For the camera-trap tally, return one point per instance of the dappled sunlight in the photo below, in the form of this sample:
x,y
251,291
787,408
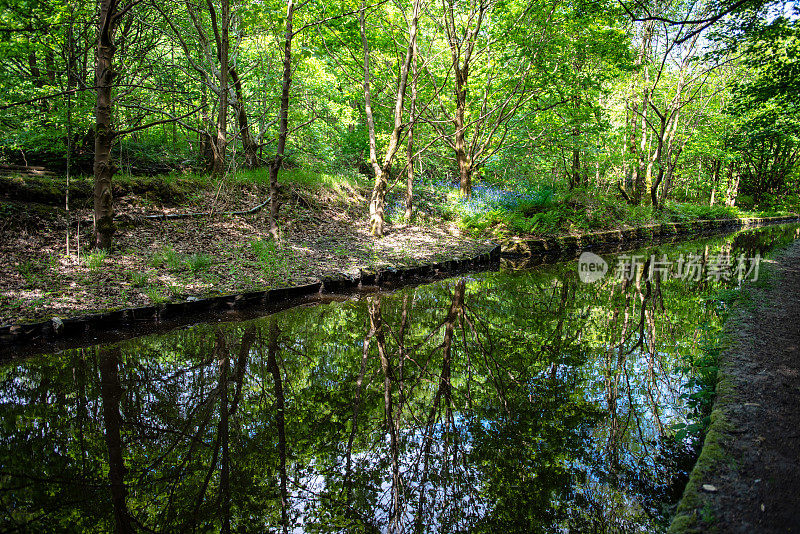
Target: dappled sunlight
x,y
155,261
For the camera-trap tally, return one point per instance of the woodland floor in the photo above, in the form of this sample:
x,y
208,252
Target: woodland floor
x,y
754,485
323,232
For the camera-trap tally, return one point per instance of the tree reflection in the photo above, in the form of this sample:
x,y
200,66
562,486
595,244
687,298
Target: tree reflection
x,y
518,401
111,393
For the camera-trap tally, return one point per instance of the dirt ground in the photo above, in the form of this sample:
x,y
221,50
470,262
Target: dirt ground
x,y
755,484
157,261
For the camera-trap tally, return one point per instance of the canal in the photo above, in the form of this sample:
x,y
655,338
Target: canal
x,y
517,400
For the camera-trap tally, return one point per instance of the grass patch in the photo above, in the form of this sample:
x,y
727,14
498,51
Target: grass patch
x,y
30,271
198,262
678,212
167,258
139,279
155,295
176,262
316,180
300,177
95,260
39,272
539,210
526,209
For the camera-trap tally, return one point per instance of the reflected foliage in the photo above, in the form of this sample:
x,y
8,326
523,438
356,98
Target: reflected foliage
x,y
517,401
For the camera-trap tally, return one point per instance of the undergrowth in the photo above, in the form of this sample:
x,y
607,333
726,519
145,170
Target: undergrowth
x,y
516,208
528,209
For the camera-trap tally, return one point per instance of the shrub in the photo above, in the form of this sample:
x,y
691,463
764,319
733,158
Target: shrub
x,y
684,211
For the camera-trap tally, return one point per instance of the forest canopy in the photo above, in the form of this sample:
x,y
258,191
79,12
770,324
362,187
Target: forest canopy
x,y
645,102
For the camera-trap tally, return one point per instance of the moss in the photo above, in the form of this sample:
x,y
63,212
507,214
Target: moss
x,y
690,516
695,510
45,189
105,226
567,242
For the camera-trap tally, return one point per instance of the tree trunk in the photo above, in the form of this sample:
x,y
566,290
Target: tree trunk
x,y
575,178
376,326
356,411
715,182
377,202
464,163
248,143
576,168
462,45
223,433
34,68
104,133
221,145
280,419
49,60
462,158
283,132
460,142
443,390
639,119
667,187
111,394
204,140
733,185
657,158
410,144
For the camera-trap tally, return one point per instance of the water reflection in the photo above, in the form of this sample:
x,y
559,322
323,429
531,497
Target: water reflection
x,y
522,401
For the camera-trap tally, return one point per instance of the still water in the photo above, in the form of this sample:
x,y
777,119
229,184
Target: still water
x,y
509,401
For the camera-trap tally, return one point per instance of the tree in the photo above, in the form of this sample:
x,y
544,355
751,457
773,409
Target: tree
x,y
671,79
111,393
104,169
377,203
499,70
283,118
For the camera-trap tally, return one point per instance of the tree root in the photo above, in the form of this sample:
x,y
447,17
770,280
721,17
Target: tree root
x,y
174,216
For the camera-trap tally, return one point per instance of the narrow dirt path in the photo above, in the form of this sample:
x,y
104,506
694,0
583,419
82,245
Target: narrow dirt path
x,y
752,483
